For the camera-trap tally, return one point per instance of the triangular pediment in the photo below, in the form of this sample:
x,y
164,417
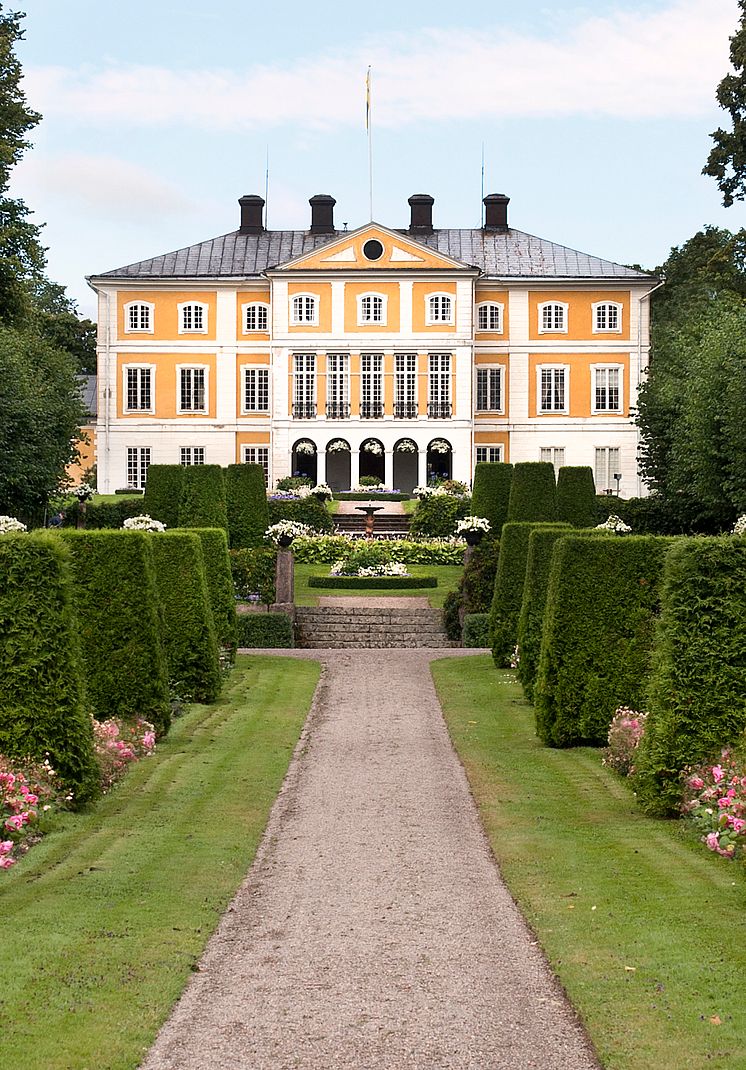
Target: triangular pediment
x,y
357,250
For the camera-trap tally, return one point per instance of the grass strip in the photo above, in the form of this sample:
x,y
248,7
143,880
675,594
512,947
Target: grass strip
x,y
645,929
447,577
106,918
372,583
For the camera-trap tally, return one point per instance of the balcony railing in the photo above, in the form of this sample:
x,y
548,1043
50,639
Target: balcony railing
x,y
439,410
337,410
405,410
371,410
304,410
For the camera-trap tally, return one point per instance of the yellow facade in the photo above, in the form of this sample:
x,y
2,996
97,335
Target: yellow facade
x,y
166,313
420,293
251,297
498,297
579,313
346,254
322,291
387,290
165,387
580,383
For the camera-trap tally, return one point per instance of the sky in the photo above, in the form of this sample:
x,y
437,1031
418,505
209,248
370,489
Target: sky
x,y
157,116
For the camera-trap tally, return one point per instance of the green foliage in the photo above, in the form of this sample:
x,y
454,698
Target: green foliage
x,y
533,495
452,616
293,482
248,515
57,322
476,632
42,696
697,697
117,605
265,630
727,160
477,584
305,511
364,553
188,625
253,572
369,481
364,583
99,515
508,594
219,584
576,497
163,491
436,516
326,549
491,493
203,497
597,639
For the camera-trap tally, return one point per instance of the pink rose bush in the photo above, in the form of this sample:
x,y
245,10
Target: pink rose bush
x,y
117,744
715,801
625,733
28,792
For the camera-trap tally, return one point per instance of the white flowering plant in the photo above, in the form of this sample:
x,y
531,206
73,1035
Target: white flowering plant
x,y
372,488
305,447
84,492
285,531
616,524
739,528
10,526
473,523
323,492
338,445
407,445
143,523
439,445
371,446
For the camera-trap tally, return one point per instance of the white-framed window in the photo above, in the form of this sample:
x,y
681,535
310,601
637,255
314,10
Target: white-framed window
x,y
192,386
139,387
304,386
255,390
607,392
490,317
552,389
372,308
190,455
192,317
405,386
304,308
255,317
489,454
138,462
337,386
258,455
489,393
607,317
371,386
439,308
607,464
554,455
138,317
439,386
553,317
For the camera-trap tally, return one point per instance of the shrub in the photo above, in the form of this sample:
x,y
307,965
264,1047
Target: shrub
x,y
598,631
246,499
29,793
576,497
253,573
202,502
437,515
188,626
219,584
163,491
265,630
118,744
507,599
42,710
118,611
476,630
452,616
533,495
491,493
477,583
294,482
303,511
326,549
715,802
697,698
101,515
625,732
380,583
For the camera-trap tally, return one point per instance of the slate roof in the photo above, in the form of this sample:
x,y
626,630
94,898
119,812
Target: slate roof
x,y
88,392
512,254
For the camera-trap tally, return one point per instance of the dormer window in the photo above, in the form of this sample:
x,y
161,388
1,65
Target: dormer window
x,y
305,309
138,316
192,318
553,318
607,316
439,308
490,317
255,318
371,308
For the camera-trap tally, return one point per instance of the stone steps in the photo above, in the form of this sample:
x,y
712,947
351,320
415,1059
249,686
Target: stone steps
x,y
357,627
385,523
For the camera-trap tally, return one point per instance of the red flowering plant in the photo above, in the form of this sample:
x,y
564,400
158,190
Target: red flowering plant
x,y
715,801
117,744
28,792
625,733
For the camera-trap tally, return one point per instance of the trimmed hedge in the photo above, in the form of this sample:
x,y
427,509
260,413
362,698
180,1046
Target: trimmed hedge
x,y
246,499
508,594
117,604
306,511
188,625
533,493
380,583
476,632
452,616
100,515
219,584
253,572
163,490
42,697
436,516
202,502
598,634
491,494
697,697
576,496
477,584
265,630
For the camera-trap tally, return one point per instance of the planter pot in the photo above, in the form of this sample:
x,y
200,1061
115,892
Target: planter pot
x,y
473,538
284,541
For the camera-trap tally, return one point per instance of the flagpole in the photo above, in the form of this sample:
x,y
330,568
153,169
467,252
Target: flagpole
x,y
369,126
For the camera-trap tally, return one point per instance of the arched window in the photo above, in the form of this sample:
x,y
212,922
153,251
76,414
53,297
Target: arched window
x,y
255,317
553,317
371,308
305,309
439,308
192,318
607,316
138,316
490,317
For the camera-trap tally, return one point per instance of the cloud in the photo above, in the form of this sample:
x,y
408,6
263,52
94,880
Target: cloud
x,y
626,65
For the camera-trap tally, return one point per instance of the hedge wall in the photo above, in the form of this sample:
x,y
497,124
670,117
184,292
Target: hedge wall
x,y
219,584
491,494
189,628
163,491
99,515
253,572
117,606
598,634
533,494
42,698
373,583
697,696
576,497
202,502
436,517
246,499
265,630
476,631
508,594
305,511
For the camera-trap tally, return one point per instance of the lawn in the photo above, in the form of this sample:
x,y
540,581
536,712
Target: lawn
x,y
104,921
645,929
448,577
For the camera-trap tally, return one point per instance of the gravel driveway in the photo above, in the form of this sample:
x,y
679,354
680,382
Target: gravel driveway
x,y
373,930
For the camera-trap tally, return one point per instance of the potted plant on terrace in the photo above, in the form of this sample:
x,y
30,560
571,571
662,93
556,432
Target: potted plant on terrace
x,y
473,529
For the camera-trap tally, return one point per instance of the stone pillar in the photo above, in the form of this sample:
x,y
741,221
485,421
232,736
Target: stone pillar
x,y
354,468
422,468
321,466
284,582
388,469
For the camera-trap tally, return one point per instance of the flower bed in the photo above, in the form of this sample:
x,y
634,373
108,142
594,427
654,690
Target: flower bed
x,y
372,583
28,793
326,549
370,494
715,802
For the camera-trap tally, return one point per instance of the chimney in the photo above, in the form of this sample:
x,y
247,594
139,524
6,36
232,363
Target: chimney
x,y
496,211
422,213
252,214
322,214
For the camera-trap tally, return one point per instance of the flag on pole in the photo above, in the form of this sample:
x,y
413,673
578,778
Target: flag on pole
x,y
367,100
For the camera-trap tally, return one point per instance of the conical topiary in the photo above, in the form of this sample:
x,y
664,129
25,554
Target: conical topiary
x,y
576,496
491,493
533,495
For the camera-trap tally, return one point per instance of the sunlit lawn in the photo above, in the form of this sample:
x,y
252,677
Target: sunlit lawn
x,y
447,576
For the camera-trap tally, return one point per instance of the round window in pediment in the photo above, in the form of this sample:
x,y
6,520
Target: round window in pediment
x,y
373,250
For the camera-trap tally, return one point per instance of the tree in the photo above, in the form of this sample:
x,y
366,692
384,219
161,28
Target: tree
x,y
727,160
57,321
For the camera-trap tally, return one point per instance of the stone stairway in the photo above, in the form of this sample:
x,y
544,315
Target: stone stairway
x,y
355,627
385,524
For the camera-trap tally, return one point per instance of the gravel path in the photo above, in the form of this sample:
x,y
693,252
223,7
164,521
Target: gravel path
x,y
373,930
